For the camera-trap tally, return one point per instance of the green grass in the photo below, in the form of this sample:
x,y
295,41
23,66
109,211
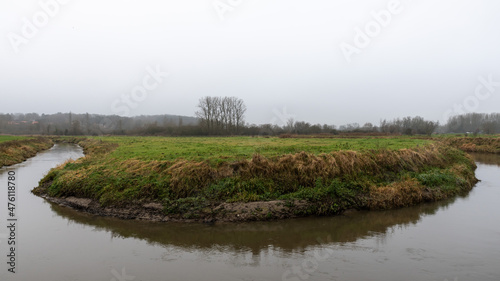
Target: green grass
x,y
10,138
437,178
217,149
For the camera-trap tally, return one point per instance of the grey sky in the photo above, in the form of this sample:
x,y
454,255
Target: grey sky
x,y
282,57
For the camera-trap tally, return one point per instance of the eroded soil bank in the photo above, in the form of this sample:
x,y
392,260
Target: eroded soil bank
x,y
224,212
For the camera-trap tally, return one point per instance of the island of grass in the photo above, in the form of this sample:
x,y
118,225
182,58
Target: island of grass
x,y
254,178
16,149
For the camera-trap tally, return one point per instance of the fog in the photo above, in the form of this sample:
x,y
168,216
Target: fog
x,y
322,61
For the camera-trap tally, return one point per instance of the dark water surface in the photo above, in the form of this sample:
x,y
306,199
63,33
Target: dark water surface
x,y
458,239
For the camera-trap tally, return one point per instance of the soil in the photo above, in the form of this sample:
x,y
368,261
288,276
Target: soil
x,y
223,212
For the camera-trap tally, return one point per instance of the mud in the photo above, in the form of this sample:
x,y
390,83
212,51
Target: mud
x,y
224,212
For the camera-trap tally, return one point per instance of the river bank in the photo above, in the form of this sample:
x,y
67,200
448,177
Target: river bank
x,y
475,144
16,151
259,188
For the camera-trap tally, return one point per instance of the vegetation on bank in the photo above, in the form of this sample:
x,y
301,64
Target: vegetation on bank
x,y
194,178
475,144
15,150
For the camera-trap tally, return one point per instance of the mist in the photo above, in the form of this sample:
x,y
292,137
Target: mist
x,y
328,62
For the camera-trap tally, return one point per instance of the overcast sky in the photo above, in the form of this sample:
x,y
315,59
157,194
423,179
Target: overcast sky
x,y
321,61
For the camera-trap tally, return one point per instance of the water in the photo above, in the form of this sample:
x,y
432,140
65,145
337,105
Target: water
x,y
457,239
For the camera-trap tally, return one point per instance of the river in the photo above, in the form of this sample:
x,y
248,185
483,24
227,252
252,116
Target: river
x,y
454,240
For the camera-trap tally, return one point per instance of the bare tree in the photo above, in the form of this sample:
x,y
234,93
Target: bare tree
x,y
239,113
289,125
488,127
206,113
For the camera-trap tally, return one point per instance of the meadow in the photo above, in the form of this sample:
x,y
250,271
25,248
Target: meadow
x,y
224,149
4,138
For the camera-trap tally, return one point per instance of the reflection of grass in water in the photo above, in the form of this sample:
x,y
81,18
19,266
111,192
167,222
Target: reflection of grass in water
x,y
287,236
487,158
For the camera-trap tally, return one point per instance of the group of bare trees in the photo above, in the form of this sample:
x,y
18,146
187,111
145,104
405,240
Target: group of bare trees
x,y
474,123
221,115
409,126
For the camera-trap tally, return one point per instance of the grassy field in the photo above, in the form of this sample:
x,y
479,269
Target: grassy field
x,y
10,138
223,149
192,177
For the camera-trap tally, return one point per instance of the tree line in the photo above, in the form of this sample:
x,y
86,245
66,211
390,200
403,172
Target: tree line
x,y
91,124
474,123
226,116
409,126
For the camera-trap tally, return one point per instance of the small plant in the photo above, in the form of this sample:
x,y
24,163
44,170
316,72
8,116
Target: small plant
x,y
436,178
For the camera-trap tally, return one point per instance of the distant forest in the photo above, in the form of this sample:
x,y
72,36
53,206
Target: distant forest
x,y
225,116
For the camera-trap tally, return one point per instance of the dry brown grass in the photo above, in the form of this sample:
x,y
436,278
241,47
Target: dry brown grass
x,y
473,144
301,169
398,194
16,151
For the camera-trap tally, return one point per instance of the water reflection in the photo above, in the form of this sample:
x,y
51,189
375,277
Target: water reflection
x,y
485,158
294,235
